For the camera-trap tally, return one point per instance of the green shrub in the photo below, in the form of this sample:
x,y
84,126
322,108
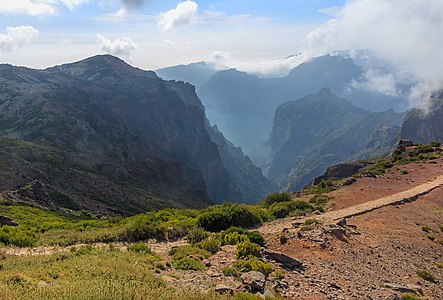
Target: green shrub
x,y
439,265
427,229
220,217
84,250
431,237
311,222
435,144
325,186
140,248
247,249
426,275
187,263
253,264
230,271
256,238
196,235
276,198
409,297
211,245
234,238
253,236
320,200
186,251
404,172
284,209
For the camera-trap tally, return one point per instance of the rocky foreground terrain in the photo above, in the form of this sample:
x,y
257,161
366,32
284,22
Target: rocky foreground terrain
x,y
378,253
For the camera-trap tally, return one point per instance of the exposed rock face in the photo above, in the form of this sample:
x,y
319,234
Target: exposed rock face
x,y
105,136
320,130
242,105
423,126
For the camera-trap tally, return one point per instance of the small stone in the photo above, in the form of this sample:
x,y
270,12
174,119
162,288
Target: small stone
x,y
223,289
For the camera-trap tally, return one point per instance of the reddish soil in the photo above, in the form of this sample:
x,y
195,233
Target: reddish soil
x,y
389,245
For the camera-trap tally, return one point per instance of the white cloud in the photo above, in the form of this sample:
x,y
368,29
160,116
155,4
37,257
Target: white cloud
x,y
35,8
123,47
277,67
27,7
376,81
185,13
407,34
16,37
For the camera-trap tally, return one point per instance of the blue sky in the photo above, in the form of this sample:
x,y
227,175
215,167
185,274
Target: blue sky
x,y
155,33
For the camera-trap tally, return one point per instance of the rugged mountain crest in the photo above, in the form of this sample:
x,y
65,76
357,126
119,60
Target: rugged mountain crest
x,y
99,125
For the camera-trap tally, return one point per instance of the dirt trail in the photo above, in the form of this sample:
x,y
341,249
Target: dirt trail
x,y
268,228
399,198
329,217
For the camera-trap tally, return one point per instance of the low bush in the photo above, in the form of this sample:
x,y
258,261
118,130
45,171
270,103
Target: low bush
x,y
427,229
233,238
140,248
248,249
275,198
409,296
187,263
211,244
196,235
188,251
253,264
284,209
426,275
320,200
252,236
231,271
220,217
325,186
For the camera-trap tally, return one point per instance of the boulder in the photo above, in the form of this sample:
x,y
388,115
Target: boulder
x,y
254,281
285,260
7,221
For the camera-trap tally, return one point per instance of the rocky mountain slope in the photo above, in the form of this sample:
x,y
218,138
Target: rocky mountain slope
x,y
320,130
424,126
242,105
101,135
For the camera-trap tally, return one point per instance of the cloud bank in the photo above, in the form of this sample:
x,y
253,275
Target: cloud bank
x,y
123,47
36,8
16,37
407,34
185,13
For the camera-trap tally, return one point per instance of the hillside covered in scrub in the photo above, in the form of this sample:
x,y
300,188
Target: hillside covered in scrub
x,y
287,246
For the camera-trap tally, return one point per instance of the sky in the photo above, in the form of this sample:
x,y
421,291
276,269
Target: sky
x,y
257,36
158,33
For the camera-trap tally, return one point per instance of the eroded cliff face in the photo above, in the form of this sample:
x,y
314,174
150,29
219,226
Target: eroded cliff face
x,y
320,130
424,126
107,126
